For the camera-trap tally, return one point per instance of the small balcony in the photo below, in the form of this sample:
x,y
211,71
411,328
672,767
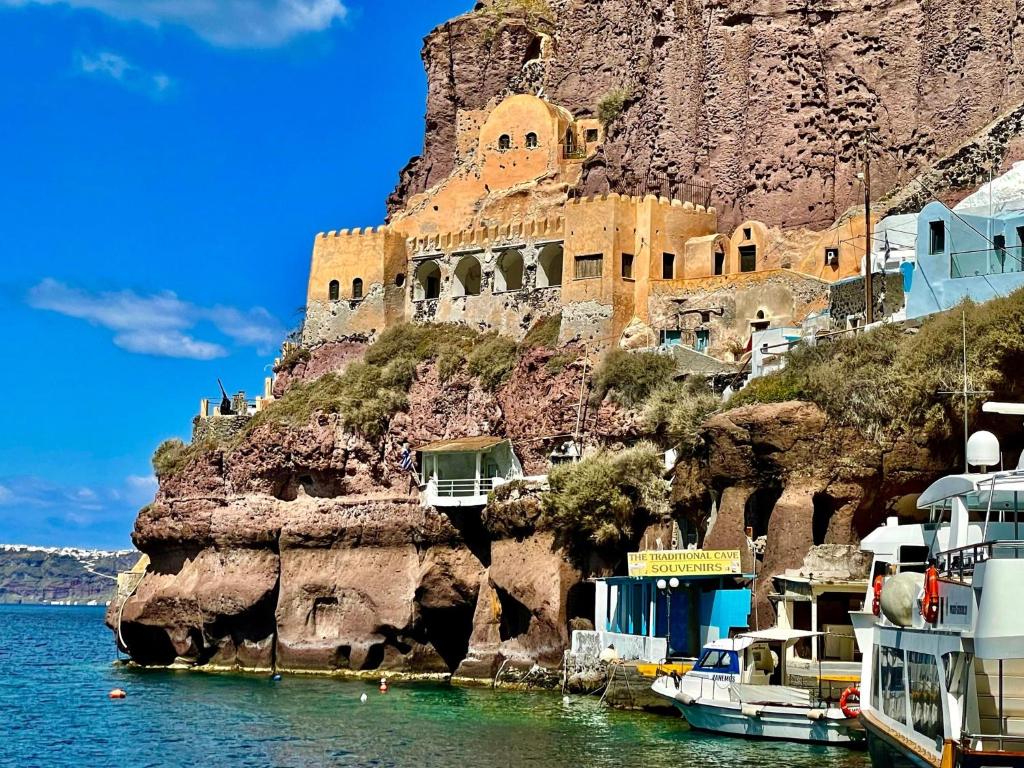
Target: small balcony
x,y
470,492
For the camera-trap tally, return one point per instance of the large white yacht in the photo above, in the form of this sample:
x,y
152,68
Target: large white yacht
x,y
942,633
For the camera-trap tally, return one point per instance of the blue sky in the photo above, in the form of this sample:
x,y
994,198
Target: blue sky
x,y
164,167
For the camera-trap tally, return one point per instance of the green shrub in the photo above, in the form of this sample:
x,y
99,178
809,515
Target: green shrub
x,y
173,455
493,359
611,105
600,499
630,377
293,355
887,380
544,333
559,361
678,410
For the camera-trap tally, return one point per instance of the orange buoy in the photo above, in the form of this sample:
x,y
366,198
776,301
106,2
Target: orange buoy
x,y
849,702
876,603
930,600
383,685
117,693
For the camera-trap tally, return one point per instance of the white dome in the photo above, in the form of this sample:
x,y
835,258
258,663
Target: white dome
x,y
983,450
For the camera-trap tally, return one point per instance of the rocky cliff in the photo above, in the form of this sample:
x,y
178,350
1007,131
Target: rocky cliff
x,y
768,100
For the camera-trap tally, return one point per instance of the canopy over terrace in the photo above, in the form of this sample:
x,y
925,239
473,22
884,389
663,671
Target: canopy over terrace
x,y
707,599
460,472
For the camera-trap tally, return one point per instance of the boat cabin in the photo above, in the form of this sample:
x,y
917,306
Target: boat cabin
x,y
461,472
753,658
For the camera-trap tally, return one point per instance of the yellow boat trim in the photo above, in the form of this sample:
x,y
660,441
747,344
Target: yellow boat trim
x,y
900,738
654,670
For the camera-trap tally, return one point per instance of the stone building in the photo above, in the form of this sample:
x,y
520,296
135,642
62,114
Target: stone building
x,y
502,243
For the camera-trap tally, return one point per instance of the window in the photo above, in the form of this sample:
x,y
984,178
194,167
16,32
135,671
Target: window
x,y
747,233
925,695
891,686
700,342
357,288
999,245
509,273
719,661
591,135
504,142
668,266
748,258
467,277
936,237
719,262
627,266
334,290
589,265
428,281
831,257
400,279
531,140
671,338
550,263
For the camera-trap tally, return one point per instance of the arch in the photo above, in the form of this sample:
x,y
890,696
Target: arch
x,y
428,281
467,277
504,142
357,288
333,290
550,262
531,140
508,275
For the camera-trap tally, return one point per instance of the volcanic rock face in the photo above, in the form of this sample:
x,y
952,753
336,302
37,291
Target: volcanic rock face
x,y
307,549
796,478
769,100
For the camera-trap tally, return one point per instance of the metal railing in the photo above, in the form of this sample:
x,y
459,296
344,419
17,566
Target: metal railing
x,y
982,741
465,487
960,563
573,152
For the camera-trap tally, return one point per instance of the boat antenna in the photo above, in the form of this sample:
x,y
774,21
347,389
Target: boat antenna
x,y
965,389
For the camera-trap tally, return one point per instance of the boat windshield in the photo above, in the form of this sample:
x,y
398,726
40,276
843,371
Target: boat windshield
x,y
714,660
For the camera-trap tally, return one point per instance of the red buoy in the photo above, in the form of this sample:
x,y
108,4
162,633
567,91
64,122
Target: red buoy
x,y
118,693
383,685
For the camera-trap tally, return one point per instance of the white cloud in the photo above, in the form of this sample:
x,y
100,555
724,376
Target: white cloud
x,y
228,23
117,68
6,495
156,324
169,344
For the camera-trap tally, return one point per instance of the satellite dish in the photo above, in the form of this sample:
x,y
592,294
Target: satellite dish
x,y
983,450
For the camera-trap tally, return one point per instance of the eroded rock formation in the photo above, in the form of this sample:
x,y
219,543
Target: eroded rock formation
x,y
769,101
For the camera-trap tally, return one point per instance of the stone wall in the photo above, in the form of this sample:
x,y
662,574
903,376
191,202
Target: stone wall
x,y
846,298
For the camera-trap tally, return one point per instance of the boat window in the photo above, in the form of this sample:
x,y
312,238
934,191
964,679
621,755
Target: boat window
x,y
892,683
925,695
914,557
718,661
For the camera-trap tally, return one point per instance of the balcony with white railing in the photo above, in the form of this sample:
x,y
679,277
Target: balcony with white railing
x,y
467,492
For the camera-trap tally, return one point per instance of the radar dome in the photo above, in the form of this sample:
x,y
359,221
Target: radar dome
x,y
983,450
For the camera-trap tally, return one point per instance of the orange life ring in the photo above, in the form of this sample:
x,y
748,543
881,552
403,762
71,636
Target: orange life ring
x,y
876,603
930,600
850,708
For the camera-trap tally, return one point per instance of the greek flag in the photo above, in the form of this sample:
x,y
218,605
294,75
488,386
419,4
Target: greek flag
x,y
406,460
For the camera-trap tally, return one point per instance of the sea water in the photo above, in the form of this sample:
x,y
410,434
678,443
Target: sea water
x,y
58,667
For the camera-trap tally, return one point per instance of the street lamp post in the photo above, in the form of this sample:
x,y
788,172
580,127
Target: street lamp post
x,y
665,586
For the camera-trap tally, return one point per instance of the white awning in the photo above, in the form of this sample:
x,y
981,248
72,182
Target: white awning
x,y
729,644
964,485
778,634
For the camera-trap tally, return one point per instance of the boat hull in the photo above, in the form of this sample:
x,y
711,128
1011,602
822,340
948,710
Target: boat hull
x,y
770,723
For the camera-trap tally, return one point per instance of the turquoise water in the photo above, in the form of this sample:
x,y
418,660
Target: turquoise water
x,y
55,712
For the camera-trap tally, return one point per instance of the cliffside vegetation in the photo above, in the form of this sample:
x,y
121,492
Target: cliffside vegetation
x,y
888,380
601,499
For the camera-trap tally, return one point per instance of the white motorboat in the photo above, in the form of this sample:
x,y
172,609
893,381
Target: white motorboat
x,y
738,687
943,642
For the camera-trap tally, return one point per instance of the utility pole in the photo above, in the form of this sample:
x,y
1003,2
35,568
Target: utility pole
x,y
869,289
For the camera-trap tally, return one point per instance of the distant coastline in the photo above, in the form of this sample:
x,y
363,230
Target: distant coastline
x,y
60,576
